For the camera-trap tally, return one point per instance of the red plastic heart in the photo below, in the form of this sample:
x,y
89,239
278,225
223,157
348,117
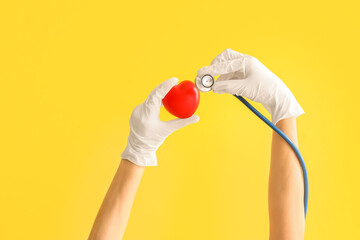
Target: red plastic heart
x,y
182,100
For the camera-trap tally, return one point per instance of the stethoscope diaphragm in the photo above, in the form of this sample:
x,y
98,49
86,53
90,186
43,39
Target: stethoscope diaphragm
x,y
204,83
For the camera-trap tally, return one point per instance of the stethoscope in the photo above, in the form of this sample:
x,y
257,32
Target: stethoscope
x,y
205,84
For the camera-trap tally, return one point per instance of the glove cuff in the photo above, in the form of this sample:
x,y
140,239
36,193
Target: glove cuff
x,y
288,108
139,158
138,152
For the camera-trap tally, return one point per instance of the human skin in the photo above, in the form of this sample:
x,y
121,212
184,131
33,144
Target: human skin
x,y
286,187
112,218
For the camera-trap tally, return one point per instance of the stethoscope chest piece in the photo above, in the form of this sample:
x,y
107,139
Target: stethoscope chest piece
x,y
205,83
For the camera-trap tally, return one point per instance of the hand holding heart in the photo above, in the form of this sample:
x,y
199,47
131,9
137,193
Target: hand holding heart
x,y
147,131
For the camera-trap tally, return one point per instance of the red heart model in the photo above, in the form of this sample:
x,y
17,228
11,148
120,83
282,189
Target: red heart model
x,y
182,100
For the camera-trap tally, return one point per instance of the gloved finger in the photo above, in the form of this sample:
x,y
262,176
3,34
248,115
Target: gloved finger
x,y
154,99
227,55
182,122
230,86
225,67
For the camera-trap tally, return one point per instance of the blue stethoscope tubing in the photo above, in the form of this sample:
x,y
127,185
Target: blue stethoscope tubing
x,y
292,145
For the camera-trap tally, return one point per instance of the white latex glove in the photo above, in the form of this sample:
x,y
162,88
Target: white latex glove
x,y
147,131
246,76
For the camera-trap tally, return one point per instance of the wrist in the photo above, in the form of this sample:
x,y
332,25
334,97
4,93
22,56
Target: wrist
x,y
129,166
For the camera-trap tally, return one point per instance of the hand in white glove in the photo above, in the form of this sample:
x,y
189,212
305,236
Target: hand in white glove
x,y
147,131
246,76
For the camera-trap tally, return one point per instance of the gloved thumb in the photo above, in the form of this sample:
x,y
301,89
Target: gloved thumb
x,y
233,86
182,122
155,97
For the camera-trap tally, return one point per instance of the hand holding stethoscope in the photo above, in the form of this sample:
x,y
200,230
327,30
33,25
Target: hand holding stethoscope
x,y
246,76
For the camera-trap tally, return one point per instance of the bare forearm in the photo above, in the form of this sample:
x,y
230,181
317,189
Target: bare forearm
x,y
286,206
113,215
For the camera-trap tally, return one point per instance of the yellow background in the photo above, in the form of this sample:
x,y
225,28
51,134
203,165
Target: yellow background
x,y
72,71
